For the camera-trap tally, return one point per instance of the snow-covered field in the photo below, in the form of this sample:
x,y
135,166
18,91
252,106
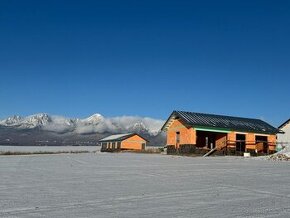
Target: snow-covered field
x,y
48,148
142,185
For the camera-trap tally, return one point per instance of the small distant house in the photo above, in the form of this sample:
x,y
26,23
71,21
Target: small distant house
x,y
199,133
284,139
129,141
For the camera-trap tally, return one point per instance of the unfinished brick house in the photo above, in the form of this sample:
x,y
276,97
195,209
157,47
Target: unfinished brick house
x,y
129,141
204,134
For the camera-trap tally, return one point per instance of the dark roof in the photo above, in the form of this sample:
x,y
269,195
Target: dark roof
x,y
119,137
221,121
284,124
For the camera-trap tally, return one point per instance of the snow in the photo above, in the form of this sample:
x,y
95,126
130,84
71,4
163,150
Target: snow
x,y
114,137
283,155
95,118
142,185
4,148
93,124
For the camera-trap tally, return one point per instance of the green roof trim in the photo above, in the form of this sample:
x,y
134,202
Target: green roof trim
x,y
209,129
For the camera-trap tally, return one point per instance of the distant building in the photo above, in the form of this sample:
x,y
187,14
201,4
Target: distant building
x,y
284,139
189,132
129,141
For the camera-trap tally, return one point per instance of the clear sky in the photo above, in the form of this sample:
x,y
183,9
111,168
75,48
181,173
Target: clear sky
x,y
147,58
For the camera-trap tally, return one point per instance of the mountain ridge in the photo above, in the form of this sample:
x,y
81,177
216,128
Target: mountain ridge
x,y
45,129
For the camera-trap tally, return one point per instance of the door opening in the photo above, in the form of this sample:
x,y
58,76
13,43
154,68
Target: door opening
x,y
262,144
240,142
177,142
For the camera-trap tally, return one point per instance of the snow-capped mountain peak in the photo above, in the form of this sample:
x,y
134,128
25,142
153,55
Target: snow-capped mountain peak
x,y
139,126
14,120
38,119
96,123
95,118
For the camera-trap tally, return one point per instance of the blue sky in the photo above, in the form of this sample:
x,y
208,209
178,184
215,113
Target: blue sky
x,y
146,58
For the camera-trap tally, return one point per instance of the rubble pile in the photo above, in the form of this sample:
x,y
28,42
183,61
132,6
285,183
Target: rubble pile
x,y
279,157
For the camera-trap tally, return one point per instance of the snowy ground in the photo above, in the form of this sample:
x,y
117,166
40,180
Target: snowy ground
x,y
142,185
48,148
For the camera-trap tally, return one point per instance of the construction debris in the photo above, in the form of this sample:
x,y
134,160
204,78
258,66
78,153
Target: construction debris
x,y
279,157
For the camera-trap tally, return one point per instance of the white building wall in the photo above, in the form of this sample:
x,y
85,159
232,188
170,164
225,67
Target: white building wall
x,y
284,139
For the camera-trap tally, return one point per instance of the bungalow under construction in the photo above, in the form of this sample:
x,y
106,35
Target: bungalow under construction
x,y
199,133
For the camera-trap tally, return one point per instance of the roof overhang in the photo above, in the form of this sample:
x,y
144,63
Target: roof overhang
x,y
123,138
284,124
169,121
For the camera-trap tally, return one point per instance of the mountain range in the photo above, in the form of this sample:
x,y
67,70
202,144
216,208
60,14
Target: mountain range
x,y
44,129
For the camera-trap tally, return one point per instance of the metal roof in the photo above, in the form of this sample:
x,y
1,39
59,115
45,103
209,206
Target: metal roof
x,y
119,137
221,121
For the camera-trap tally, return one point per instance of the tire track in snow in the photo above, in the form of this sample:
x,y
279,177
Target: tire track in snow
x,y
114,201
268,193
100,203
